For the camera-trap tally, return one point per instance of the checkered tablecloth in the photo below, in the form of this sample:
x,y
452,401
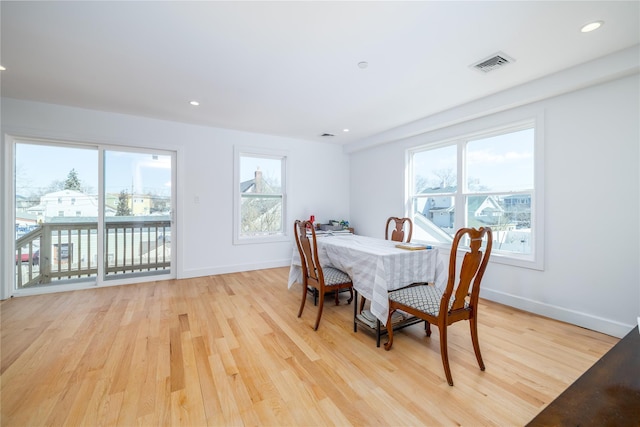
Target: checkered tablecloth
x,y
375,266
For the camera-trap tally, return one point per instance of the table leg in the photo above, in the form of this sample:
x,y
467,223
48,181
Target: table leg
x,y
355,311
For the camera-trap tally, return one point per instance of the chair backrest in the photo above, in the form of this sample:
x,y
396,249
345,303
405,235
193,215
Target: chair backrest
x,y
308,250
401,229
471,270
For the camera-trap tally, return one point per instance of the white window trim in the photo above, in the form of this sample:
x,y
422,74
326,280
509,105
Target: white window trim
x,y
535,260
239,151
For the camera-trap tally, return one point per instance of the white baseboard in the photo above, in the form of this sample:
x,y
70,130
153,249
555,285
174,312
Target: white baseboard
x,y
236,268
585,320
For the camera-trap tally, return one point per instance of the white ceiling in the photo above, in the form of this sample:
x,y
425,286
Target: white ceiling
x,y
290,68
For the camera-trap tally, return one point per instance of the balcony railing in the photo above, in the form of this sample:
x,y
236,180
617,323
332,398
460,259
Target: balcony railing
x,y
58,252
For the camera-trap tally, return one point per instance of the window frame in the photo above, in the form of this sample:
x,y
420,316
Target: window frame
x,y
533,260
283,156
7,289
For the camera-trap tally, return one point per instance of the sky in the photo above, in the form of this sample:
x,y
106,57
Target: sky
x,y
270,167
38,166
498,163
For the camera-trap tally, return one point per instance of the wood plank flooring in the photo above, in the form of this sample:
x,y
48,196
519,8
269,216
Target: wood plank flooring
x,y
228,350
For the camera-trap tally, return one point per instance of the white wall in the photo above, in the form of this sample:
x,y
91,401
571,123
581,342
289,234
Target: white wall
x,y
318,173
592,136
591,276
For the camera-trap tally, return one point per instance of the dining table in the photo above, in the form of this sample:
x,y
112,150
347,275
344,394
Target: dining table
x,y
376,266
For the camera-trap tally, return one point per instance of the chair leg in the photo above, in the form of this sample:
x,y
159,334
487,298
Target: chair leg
x,y
355,313
444,352
473,324
427,328
315,328
350,295
304,298
389,343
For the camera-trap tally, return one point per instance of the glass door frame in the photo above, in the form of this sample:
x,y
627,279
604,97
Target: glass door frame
x,y
8,217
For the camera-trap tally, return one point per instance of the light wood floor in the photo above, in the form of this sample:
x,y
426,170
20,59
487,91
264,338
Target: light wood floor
x,y
229,350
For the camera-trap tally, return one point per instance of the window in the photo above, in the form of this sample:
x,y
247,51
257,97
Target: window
x,y
484,179
260,195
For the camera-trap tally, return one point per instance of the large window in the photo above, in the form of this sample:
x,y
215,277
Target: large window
x,y
485,179
260,195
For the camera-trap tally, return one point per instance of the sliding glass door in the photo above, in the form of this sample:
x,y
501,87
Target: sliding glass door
x,y
137,225
56,214
87,214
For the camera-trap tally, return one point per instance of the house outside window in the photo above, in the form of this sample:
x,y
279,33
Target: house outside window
x,y
260,196
485,179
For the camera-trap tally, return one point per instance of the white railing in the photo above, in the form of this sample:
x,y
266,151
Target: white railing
x,y
55,252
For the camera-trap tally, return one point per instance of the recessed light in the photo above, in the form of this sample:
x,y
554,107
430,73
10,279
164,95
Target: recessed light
x,y
363,64
591,26
194,103
345,130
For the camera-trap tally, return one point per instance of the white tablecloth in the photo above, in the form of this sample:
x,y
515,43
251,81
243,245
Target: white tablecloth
x,y
375,266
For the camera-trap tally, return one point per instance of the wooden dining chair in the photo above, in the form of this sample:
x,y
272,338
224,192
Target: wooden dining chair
x,y
401,229
324,279
458,301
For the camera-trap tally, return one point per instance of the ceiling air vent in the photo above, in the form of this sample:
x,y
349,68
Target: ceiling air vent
x,y
327,134
498,60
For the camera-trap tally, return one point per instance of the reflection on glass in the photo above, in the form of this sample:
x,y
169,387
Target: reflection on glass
x,y
137,184
137,213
